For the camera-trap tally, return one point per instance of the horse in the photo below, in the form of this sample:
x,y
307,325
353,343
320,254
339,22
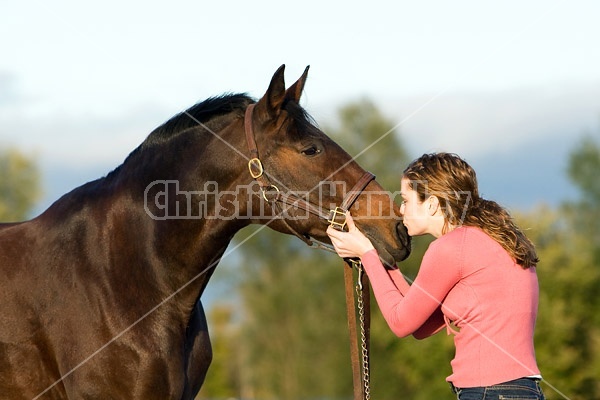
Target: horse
x,y
101,293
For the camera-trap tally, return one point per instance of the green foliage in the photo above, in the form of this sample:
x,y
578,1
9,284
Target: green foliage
x,y
19,185
567,329
583,169
293,329
224,380
568,326
584,165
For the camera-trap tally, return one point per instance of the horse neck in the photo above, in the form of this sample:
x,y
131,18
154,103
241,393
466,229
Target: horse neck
x,y
108,219
187,248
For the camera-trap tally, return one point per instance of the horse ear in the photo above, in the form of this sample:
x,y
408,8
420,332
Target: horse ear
x,y
275,95
295,91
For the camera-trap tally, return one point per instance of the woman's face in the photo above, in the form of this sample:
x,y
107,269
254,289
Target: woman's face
x,y
415,213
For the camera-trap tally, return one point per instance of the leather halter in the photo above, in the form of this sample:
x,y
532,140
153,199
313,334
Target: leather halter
x,y
335,217
360,382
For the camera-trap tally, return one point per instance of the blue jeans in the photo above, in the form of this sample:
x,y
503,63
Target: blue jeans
x,y
519,389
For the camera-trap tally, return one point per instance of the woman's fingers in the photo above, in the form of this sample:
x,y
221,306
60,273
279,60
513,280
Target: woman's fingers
x,y
349,244
350,222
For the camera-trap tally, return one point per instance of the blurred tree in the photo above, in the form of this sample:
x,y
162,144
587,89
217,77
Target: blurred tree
x,y
224,382
583,169
567,332
372,140
584,165
568,325
293,328
19,185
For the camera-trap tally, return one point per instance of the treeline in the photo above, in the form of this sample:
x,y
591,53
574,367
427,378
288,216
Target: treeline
x,y
280,332
19,185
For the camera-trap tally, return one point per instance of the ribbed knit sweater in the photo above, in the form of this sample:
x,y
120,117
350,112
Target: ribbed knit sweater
x,y
468,283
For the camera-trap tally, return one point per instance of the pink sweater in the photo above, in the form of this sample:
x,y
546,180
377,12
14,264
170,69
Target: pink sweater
x,y
491,301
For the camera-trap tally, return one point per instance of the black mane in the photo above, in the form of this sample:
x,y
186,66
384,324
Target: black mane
x,y
201,112
208,113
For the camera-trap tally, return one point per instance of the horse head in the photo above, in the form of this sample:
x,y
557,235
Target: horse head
x,y
308,181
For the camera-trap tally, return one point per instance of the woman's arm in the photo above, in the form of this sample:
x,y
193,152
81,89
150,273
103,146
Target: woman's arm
x,y
434,323
412,309
407,309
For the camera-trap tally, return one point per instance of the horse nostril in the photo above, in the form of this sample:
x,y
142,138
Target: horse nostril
x,y
401,230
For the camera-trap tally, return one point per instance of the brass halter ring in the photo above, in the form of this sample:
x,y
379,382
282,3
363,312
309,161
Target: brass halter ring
x,y
267,189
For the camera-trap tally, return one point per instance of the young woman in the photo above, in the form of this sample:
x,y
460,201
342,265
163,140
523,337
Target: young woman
x,y
477,279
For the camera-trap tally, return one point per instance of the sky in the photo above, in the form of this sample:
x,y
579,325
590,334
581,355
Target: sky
x,y
509,85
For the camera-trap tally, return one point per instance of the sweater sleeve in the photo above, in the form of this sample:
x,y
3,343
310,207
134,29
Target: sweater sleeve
x,y
414,309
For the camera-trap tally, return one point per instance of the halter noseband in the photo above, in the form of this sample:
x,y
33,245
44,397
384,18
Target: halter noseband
x,y
332,216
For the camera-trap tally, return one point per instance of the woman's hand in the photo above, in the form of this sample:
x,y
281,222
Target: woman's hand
x,y
351,244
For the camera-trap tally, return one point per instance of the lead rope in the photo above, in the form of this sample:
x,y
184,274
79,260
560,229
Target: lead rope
x,y
361,391
362,291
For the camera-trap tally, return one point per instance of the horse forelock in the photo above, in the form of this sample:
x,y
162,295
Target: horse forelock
x,y
303,121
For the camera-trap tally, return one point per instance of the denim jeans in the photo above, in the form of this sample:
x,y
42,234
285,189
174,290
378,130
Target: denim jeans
x,y
519,389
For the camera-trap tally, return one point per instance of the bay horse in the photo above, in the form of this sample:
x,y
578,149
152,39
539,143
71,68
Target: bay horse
x,y
100,293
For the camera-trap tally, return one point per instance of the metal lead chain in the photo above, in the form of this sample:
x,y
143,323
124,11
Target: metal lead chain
x,y
363,334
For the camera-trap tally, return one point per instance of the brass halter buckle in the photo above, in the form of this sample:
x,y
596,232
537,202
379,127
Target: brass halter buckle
x,y
255,167
333,214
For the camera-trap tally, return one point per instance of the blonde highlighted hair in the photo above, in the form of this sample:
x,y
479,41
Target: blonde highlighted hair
x,y
452,180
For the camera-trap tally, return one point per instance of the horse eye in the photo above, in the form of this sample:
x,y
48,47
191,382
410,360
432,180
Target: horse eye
x,y
311,151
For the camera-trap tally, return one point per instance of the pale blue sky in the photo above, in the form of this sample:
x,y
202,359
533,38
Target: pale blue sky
x,y
83,83
79,55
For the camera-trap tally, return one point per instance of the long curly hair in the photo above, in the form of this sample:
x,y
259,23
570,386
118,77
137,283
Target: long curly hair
x,y
454,182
